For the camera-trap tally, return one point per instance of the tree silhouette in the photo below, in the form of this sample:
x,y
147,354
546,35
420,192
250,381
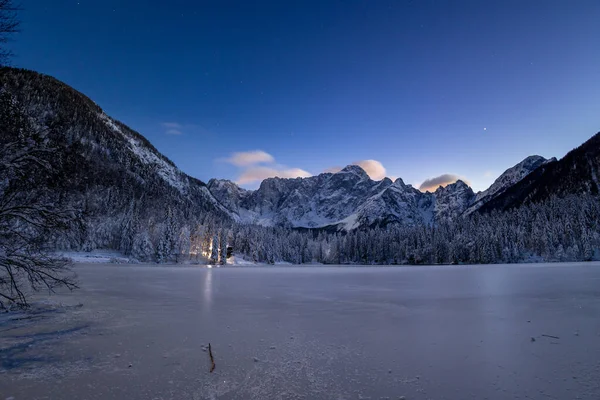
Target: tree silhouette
x,y
29,215
9,24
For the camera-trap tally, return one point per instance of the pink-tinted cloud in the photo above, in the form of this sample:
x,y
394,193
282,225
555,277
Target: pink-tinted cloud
x,y
249,158
373,168
443,180
257,174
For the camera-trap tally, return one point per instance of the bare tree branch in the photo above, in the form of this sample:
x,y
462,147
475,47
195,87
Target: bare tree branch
x,y
30,213
9,24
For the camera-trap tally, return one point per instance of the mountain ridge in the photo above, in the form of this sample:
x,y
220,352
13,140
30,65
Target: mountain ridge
x,y
357,199
576,173
117,159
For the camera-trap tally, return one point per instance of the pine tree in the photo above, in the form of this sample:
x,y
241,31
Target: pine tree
x,y
214,254
223,247
170,233
128,229
142,248
587,252
183,244
163,248
560,253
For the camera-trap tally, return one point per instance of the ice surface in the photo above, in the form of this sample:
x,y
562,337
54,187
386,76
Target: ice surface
x,y
312,333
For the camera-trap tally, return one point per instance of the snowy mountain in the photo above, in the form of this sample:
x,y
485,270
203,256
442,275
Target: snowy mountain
x,y
509,178
345,200
349,199
323,200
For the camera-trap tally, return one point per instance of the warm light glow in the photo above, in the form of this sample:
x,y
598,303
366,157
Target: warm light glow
x,y
209,252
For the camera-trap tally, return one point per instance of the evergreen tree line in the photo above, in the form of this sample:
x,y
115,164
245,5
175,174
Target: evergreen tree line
x,y
559,229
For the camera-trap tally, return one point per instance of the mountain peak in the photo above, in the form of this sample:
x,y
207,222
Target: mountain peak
x,y
399,182
355,169
459,185
509,178
224,183
531,162
464,186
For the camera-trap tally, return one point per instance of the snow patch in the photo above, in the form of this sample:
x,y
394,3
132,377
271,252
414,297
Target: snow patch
x,y
96,256
239,260
166,171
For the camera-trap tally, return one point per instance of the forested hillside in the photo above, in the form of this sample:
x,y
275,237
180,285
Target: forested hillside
x,y
124,190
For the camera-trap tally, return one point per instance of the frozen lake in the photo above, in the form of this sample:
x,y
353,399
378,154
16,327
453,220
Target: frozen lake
x,y
312,333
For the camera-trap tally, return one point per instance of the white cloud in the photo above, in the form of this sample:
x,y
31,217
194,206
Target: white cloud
x,y
172,125
249,158
172,128
257,174
252,171
373,168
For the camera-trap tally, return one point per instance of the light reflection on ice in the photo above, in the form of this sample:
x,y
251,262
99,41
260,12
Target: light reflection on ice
x,y
207,292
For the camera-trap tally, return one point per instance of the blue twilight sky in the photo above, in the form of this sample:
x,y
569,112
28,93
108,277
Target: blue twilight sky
x,y
425,88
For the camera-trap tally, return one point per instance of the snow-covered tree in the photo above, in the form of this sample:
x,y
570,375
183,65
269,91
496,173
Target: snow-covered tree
x,y
183,244
214,254
163,246
223,247
128,229
142,248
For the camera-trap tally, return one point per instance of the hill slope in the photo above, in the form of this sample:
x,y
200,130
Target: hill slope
x,y
108,170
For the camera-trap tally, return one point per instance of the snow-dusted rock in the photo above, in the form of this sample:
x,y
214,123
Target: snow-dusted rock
x,y
509,178
451,201
345,200
349,199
